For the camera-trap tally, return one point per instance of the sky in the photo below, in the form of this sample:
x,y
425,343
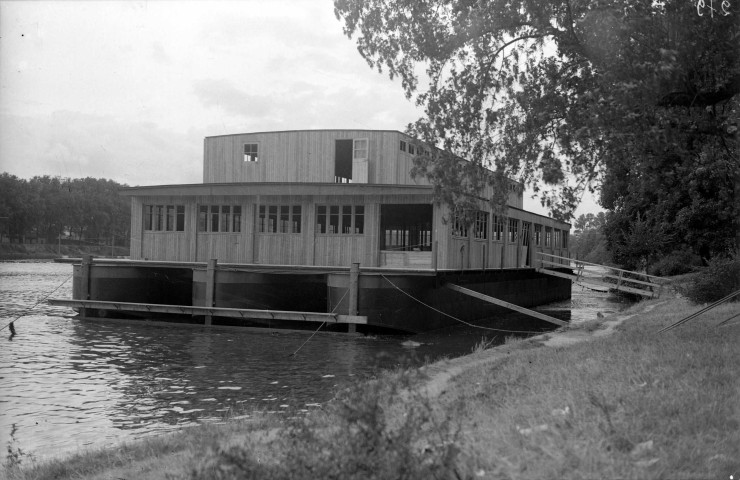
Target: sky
x,y
128,90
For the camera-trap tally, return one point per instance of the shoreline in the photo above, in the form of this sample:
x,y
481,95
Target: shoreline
x,y
473,383
49,251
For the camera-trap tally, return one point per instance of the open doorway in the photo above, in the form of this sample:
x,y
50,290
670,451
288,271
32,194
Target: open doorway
x,y
406,227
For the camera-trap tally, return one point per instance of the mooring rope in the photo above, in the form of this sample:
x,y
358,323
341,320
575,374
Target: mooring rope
x,y
25,312
724,322
696,314
451,316
322,324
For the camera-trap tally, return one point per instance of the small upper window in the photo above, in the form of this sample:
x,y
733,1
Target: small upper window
x,y
359,151
251,152
402,146
412,149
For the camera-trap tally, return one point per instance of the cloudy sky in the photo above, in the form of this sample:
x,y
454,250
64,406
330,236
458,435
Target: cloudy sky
x,y
127,90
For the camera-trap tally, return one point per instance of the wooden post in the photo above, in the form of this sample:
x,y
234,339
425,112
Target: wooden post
x,y
210,287
354,291
435,252
85,268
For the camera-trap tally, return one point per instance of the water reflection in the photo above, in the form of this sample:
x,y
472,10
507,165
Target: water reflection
x,y
66,383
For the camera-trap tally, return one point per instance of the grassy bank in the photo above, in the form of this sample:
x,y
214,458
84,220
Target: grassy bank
x,y
48,251
610,399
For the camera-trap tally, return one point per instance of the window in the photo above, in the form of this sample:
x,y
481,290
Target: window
x,y
236,219
459,225
526,228
513,230
251,152
548,236
498,228
565,239
359,150
340,219
557,238
402,146
480,226
538,235
412,149
279,219
164,218
220,218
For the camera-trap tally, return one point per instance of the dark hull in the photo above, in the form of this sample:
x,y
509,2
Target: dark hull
x,y
392,300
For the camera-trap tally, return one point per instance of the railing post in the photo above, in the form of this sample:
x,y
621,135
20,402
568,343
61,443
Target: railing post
x,y
85,268
434,255
354,291
210,287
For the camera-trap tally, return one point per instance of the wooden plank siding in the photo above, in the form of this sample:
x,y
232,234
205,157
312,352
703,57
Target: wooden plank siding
x,y
297,168
311,248
461,253
304,156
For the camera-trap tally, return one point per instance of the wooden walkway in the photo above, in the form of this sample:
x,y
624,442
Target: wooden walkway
x,y
602,277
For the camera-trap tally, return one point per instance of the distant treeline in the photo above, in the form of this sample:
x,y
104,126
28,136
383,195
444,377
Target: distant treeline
x,y
52,209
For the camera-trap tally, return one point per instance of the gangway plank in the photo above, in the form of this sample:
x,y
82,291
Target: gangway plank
x,y
579,279
505,304
653,284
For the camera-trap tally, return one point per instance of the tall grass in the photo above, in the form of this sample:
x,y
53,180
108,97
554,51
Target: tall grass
x,y
632,405
378,430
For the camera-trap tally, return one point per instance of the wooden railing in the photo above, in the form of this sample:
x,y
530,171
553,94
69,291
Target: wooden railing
x,y
602,276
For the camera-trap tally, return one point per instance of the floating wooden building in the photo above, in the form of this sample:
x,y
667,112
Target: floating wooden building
x,y
328,224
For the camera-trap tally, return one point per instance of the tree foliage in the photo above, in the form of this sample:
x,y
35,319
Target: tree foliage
x,y
588,242
48,208
563,94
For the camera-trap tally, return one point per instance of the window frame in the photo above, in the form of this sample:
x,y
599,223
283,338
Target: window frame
x,y
331,219
356,149
251,157
272,219
538,234
459,228
219,218
497,234
480,225
167,218
513,233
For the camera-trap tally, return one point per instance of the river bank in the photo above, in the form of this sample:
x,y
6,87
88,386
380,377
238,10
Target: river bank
x,y
611,398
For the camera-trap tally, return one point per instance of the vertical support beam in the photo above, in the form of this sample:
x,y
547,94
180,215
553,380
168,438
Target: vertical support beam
x,y
354,292
85,268
518,243
354,288
469,249
210,287
435,252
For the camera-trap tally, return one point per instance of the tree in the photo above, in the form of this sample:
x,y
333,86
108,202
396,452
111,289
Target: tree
x,y
563,94
47,207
